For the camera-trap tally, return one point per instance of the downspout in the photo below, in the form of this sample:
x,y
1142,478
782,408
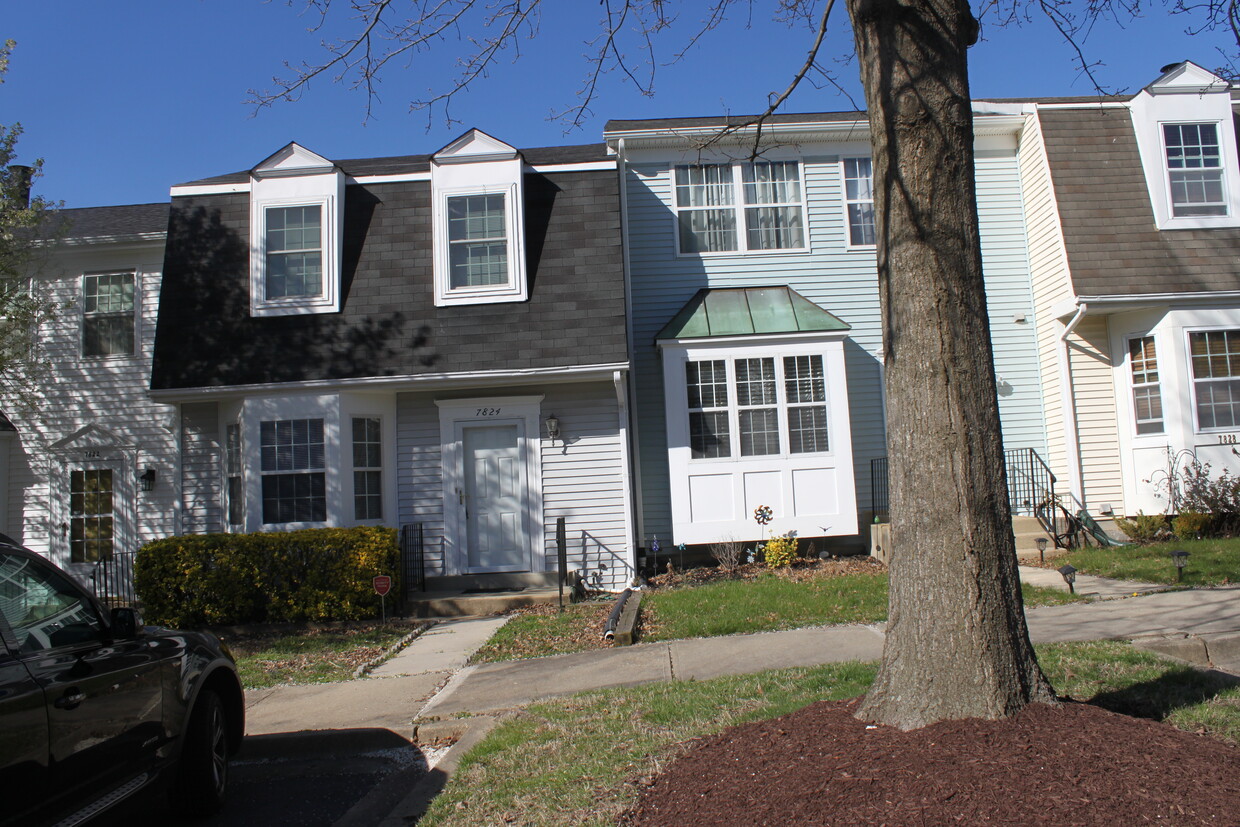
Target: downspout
x,y
633,491
1072,444
622,406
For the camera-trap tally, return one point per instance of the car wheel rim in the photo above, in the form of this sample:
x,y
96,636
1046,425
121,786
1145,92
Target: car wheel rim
x,y
219,750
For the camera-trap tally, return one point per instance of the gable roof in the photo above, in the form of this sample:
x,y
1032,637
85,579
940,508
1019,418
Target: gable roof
x,y
749,311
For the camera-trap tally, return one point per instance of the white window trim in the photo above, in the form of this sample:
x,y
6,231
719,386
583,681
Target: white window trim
x,y
328,301
738,206
137,315
848,243
729,356
516,288
253,413
1191,378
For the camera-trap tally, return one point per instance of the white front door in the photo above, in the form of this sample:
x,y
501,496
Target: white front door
x,y
495,497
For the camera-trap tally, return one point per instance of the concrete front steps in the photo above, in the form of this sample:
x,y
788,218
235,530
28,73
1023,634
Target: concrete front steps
x,y
470,595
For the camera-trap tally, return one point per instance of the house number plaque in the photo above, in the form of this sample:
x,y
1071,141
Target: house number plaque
x,y
488,412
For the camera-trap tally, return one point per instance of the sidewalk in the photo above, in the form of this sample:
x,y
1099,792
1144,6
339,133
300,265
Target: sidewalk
x,y
1087,585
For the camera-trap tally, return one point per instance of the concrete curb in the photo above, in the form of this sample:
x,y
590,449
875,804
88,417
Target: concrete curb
x,y
469,731
391,651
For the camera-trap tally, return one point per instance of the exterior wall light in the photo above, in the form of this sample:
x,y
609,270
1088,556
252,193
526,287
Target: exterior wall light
x,y
1069,577
553,427
1041,544
147,478
1180,558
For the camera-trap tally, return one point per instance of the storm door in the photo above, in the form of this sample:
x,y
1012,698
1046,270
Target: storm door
x,y
495,497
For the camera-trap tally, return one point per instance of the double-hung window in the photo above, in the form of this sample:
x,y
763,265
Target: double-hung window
x,y
367,469
1215,358
1146,396
108,314
859,201
1195,169
292,464
754,407
740,207
477,240
294,252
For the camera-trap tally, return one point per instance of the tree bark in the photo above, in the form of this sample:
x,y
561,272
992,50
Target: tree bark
x,y
957,644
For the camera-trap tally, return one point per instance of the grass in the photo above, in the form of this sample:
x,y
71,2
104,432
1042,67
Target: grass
x,y
1210,562
310,656
770,603
582,760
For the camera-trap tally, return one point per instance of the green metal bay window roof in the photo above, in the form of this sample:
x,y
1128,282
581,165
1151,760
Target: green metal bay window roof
x,y
749,311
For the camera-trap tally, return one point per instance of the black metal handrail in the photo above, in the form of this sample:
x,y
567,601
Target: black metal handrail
x,y
412,559
112,579
1030,482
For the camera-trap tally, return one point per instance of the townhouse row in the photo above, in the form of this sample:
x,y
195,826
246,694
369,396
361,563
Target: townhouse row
x,y
649,337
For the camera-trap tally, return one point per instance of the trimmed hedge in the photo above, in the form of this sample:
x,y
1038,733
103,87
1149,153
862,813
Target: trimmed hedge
x,y
224,579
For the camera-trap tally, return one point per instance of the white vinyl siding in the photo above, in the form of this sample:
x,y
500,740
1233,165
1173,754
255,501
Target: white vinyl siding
x,y
1096,414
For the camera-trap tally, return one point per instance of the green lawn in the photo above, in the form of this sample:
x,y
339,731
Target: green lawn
x,y
769,603
311,656
582,760
1210,562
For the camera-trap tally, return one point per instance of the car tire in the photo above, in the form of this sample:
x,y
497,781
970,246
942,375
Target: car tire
x,y
202,775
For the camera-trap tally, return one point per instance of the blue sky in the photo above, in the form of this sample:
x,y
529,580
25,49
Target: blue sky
x,y
125,98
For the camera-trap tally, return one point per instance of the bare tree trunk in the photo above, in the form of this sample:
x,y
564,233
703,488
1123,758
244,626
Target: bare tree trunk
x,y
957,644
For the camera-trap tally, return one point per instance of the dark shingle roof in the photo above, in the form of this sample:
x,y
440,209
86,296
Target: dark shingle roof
x,y
1112,243
404,164
623,125
124,220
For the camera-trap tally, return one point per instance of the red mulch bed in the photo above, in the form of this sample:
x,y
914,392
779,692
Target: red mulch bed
x,y
1075,764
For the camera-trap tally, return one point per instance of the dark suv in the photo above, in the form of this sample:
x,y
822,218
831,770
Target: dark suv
x,y
95,707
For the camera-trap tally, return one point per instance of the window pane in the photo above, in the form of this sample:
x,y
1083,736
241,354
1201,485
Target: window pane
x,y
759,432
807,429
709,185
478,264
1195,169
859,199
708,434
367,495
755,381
707,384
291,444
1146,395
1216,376
294,498
294,252
473,217
804,380
772,183
774,228
43,609
108,314
707,231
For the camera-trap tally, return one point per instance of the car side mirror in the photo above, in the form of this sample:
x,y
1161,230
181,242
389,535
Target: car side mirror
x,y
125,623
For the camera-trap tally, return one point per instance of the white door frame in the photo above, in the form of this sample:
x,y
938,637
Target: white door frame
x,y
455,414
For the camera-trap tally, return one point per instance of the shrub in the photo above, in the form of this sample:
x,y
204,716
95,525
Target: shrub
x,y
1190,525
1215,495
1144,528
780,551
314,574
727,553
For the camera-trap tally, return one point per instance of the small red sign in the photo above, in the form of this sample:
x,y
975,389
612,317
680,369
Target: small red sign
x,y
383,585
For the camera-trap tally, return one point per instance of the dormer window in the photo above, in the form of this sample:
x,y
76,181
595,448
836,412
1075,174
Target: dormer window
x,y
478,222
296,224
1195,169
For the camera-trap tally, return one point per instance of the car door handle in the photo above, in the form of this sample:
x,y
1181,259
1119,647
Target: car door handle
x,y
70,700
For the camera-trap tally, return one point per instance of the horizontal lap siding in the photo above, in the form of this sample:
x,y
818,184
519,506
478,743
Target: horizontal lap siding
x,y
1048,266
201,462
75,392
1009,295
840,280
583,482
419,483
1096,418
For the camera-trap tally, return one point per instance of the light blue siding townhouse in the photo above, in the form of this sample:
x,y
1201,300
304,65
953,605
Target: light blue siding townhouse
x,y
755,330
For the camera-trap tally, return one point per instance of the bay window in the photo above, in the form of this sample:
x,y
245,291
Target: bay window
x,y
1146,395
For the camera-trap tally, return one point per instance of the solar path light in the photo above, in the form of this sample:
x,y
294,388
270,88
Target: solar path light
x,y
1041,543
1069,577
1180,558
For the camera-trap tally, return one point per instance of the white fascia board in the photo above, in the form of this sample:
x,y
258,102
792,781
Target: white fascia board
x,y
395,384
1085,105
1121,303
756,339
208,189
127,240
585,166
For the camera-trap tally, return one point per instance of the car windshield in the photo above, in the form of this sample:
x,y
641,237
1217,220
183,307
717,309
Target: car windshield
x,y
43,608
